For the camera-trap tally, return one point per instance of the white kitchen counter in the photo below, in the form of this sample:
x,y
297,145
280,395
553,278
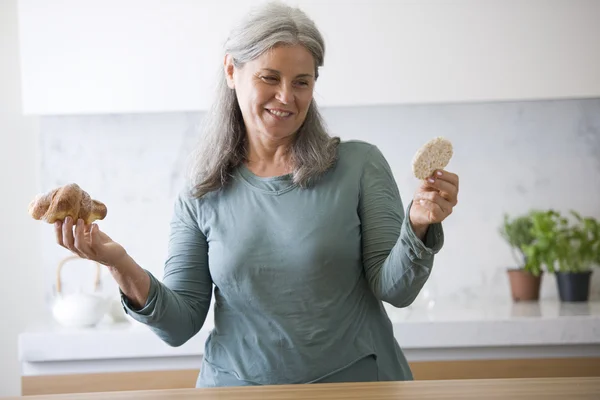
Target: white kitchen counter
x,y
473,329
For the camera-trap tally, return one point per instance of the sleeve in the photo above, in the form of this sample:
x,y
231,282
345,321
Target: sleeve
x,y
397,263
176,308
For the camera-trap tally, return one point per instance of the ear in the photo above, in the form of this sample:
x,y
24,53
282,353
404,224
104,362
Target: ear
x,y
229,70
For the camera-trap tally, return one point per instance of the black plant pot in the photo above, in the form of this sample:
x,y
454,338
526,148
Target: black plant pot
x,y
573,286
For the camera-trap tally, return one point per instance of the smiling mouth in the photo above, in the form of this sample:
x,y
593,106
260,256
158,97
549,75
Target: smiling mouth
x,y
280,114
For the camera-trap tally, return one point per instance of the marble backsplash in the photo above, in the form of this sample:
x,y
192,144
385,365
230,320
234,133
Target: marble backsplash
x,y
511,156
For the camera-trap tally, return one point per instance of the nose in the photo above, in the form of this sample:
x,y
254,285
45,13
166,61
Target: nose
x,y
285,93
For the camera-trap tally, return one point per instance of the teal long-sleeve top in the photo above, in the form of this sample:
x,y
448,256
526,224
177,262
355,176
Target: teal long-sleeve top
x,y
298,274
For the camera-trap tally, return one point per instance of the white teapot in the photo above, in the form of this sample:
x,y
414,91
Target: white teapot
x,y
79,309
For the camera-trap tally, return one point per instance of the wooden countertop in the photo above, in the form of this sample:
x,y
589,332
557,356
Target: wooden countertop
x,y
513,389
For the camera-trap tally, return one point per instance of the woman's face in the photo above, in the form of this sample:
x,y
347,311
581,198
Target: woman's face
x,y
274,91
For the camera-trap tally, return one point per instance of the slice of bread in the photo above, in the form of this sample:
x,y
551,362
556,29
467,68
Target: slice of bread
x,y
434,155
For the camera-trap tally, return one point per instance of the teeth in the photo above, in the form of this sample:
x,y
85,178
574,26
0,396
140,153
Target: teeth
x,y
279,113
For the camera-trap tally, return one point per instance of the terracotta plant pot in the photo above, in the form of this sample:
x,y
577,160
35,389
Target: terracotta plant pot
x,y
524,286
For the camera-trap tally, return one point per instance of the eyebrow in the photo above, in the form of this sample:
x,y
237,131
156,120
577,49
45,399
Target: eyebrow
x,y
274,71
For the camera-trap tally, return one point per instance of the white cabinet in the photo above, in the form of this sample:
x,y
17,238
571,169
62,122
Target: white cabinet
x,y
157,56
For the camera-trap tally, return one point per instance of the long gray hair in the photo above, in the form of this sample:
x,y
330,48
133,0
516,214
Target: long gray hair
x,y
222,145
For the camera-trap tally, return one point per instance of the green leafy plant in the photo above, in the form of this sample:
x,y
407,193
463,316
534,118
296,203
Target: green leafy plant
x,y
561,244
584,235
518,234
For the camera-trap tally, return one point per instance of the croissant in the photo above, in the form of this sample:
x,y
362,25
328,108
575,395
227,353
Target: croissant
x,y
69,200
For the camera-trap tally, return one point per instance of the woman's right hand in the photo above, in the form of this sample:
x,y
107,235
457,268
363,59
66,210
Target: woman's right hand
x,y
89,242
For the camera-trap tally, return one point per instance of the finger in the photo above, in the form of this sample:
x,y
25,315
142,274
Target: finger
x,y
67,235
447,189
58,231
436,198
93,235
81,244
446,176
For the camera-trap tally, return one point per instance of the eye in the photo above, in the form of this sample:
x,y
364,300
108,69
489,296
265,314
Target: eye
x,y
269,79
302,83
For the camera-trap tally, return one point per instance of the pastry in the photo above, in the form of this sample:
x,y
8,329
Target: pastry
x,y
68,200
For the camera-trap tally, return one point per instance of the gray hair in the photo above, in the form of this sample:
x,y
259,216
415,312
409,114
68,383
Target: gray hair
x,y
222,144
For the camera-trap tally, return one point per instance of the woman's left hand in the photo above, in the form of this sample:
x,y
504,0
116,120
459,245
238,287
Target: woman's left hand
x,y
434,200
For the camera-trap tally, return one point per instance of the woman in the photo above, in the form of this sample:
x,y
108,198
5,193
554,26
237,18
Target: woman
x,y
301,236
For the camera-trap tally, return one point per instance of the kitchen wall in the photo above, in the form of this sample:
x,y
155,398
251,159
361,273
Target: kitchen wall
x,y
21,273
511,156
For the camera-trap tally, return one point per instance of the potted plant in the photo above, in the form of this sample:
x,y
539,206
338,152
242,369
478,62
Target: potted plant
x,y
525,279
568,248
